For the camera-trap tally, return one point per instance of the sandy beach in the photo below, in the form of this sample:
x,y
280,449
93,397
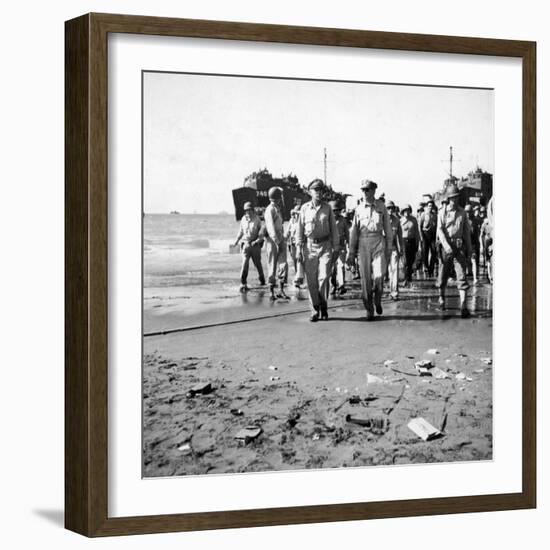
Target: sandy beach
x,y
298,381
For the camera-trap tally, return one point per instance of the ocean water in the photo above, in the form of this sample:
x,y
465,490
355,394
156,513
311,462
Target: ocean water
x,y
189,249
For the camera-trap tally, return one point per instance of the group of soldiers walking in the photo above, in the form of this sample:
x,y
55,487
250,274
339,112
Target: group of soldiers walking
x,y
322,243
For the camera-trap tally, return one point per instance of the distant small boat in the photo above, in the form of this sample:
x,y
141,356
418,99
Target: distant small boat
x,y
174,212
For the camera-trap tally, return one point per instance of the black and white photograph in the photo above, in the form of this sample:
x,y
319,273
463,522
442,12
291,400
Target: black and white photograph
x,y
317,274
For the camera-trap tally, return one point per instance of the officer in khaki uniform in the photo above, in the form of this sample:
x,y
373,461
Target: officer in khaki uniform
x,y
396,250
371,238
292,249
338,275
318,245
277,264
251,244
453,231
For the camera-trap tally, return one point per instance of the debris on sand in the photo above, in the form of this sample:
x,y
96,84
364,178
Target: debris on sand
x,y
274,378
249,433
185,448
372,379
424,367
460,376
388,410
356,400
423,429
479,371
202,388
403,372
439,374
389,362
236,412
487,360
377,425
273,367
433,351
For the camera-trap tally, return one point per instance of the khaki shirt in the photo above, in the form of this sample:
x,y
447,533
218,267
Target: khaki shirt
x,y
274,223
453,226
250,229
317,222
370,219
397,238
291,230
486,230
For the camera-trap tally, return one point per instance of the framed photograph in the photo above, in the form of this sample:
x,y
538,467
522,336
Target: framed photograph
x,y
300,280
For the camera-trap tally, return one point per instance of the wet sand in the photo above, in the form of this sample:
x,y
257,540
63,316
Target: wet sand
x,y
301,405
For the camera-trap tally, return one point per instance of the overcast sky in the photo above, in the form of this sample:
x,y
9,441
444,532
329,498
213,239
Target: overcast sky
x,y
204,134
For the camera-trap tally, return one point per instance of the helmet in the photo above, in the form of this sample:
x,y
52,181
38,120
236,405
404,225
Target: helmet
x,y
407,207
452,191
247,206
315,184
275,193
368,184
390,204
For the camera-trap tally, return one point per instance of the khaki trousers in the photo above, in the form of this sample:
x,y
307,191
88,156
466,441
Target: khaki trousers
x,y
277,265
249,252
318,265
298,265
372,266
338,277
393,273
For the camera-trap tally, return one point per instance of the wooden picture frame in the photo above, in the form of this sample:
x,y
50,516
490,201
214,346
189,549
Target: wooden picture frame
x,y
86,280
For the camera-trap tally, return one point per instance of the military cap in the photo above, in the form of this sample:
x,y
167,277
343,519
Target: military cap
x,y
407,207
315,184
390,204
421,204
275,193
368,184
452,191
431,201
247,206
